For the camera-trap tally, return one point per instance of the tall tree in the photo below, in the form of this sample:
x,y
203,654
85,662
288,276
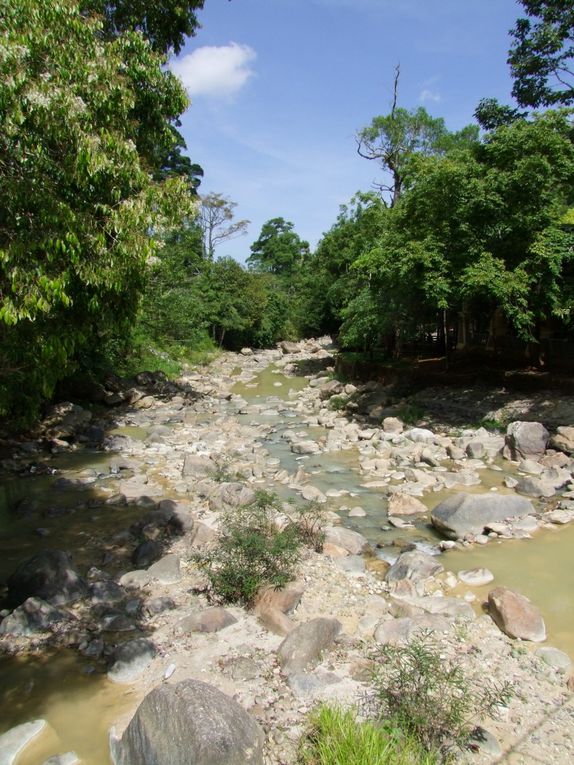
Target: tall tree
x,y
216,221
393,139
542,54
78,127
278,250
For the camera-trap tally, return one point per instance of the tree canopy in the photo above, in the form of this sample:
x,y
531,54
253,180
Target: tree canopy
x,y
542,54
80,127
278,250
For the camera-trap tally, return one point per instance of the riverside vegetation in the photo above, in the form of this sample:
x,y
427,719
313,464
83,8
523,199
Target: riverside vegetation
x,y
108,264
114,262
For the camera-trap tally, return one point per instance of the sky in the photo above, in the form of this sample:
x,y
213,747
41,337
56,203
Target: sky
x,y
279,89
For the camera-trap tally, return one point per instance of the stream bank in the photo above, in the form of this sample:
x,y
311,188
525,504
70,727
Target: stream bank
x,y
275,420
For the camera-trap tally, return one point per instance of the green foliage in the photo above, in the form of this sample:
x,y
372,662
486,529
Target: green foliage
x,y
278,250
410,413
81,124
165,24
394,139
308,521
335,737
251,551
542,53
430,697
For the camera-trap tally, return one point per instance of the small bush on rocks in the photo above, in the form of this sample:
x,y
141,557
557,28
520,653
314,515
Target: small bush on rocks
x,y
430,697
336,737
309,521
252,551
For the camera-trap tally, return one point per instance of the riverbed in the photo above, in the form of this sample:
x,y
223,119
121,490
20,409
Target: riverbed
x,y
72,692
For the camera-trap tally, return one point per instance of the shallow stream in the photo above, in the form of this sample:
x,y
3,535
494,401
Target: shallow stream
x,y
80,704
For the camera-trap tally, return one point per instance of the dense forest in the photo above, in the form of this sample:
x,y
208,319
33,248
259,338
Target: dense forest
x,y
109,247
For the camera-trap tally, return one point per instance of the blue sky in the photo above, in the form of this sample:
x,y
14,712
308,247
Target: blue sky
x,y
279,89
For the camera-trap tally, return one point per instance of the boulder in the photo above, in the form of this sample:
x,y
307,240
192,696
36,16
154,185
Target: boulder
x,y
313,494
51,576
65,419
525,440
16,739
208,620
392,425
305,447
402,630
555,658
476,577
147,553
405,504
181,518
304,645
234,494
131,659
420,435
534,487
351,541
275,620
515,615
415,566
564,439
285,600
34,615
189,722
197,466
462,514
331,388
166,570
288,347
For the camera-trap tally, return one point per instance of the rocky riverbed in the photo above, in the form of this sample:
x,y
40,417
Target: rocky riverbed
x,y
113,515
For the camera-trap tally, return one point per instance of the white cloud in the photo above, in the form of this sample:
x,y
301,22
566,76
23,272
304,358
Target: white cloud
x,y
219,72
429,95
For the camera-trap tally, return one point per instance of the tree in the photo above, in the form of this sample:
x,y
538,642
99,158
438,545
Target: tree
x,y
393,139
216,221
542,54
485,225
491,114
165,25
278,250
78,129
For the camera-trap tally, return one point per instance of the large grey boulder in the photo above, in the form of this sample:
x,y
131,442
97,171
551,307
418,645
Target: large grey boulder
x,y
564,439
414,565
189,722
405,504
209,620
228,495
16,739
516,615
34,615
130,660
351,541
304,645
525,440
462,514
49,575
197,466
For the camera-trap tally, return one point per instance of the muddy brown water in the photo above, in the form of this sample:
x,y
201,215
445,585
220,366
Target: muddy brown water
x,y
80,704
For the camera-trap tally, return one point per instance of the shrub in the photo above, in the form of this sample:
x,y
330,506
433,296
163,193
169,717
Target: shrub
x,y
430,697
251,552
308,522
335,737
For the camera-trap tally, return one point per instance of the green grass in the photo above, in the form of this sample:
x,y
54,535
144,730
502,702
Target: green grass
x,y
335,737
